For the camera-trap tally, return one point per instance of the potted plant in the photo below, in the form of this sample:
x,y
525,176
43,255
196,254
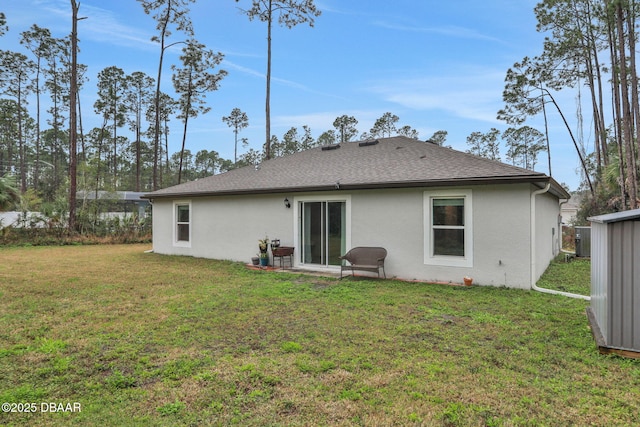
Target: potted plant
x,y
263,245
264,259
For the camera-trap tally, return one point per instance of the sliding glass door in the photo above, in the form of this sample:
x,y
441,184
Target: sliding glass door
x,y
322,232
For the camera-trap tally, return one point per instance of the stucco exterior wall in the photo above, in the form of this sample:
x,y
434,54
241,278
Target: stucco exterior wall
x,y
547,230
394,219
229,227
162,227
224,227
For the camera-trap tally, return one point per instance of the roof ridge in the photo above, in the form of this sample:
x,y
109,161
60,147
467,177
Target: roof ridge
x,y
391,162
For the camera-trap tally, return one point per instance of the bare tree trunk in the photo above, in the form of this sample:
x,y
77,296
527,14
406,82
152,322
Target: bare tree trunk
x,y
156,137
83,148
615,100
627,131
72,117
595,81
100,142
235,147
83,145
596,116
635,117
267,146
184,140
115,138
36,172
21,151
599,113
546,132
167,169
138,148
575,144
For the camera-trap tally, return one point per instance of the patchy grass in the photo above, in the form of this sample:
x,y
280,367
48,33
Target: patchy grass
x,y
145,339
573,276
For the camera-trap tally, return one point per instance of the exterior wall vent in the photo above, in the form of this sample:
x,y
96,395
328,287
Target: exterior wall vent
x,y
330,147
368,143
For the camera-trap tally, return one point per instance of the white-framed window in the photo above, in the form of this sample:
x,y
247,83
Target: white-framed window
x,y
448,228
182,223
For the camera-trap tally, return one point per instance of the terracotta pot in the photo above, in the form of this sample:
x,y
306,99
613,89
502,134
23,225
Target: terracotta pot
x,y
468,281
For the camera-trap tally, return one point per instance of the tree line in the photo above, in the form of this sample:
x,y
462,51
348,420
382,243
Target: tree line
x,y
130,149
590,48
591,45
524,144
37,149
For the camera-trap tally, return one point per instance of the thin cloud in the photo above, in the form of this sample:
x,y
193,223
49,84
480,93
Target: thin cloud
x,y
322,120
278,80
251,72
448,31
104,26
245,70
474,95
324,7
100,25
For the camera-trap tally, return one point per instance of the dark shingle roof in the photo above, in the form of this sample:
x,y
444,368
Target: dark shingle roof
x,y
391,163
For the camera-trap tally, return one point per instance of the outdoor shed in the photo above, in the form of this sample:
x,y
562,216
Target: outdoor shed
x,y
614,313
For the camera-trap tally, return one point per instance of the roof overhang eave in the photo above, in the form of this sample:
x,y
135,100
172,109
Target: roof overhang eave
x,y
534,178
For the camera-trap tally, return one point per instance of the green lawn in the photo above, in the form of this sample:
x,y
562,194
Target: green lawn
x,y
145,339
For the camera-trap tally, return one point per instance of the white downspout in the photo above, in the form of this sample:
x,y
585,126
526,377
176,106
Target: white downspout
x,y
533,251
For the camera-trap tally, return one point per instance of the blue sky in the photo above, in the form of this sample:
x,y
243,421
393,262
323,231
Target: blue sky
x,y
438,65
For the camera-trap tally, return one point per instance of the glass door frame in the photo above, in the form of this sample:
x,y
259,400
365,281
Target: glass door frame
x,y
298,202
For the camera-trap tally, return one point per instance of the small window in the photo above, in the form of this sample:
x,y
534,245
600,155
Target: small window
x,y
183,223
448,226
448,233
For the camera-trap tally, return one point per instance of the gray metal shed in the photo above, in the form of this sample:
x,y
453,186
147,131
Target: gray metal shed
x,y
614,313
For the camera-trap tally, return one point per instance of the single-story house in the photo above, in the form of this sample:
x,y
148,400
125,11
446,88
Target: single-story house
x,y
441,214
569,210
